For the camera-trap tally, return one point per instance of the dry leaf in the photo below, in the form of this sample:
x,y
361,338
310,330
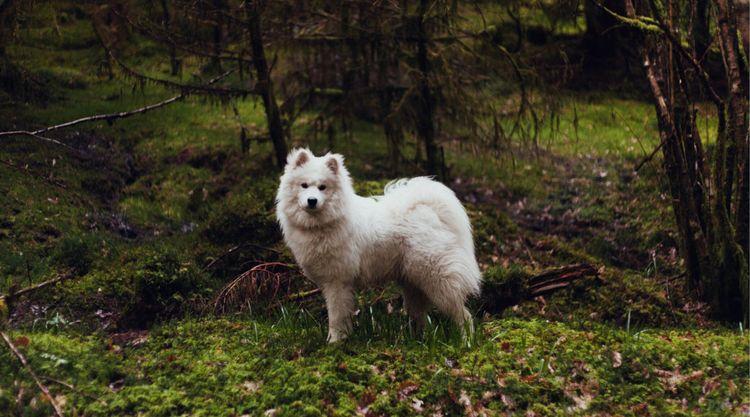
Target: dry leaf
x,y
616,359
22,341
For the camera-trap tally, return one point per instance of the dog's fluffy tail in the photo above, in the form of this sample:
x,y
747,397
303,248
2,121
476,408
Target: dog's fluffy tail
x,y
396,184
443,201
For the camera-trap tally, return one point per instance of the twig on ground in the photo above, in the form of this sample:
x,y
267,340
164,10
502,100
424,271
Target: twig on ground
x,y
552,280
73,388
234,249
25,363
303,294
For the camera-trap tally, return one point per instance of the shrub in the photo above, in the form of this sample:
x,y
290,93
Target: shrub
x,y
75,252
163,284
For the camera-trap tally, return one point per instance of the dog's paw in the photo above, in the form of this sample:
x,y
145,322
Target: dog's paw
x,y
336,336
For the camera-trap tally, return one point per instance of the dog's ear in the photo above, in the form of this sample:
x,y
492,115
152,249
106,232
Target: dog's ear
x,y
297,158
333,164
302,159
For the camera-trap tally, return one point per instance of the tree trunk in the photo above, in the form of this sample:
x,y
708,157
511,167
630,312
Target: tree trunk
x,y
708,211
733,259
167,23
264,84
701,33
219,8
426,110
7,22
394,137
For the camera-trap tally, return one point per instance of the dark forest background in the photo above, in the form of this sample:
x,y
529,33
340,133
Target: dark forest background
x,y
599,146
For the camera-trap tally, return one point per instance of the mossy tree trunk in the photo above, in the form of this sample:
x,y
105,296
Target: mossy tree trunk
x,y
710,203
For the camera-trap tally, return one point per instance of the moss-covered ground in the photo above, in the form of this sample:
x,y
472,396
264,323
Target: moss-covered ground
x,y
156,212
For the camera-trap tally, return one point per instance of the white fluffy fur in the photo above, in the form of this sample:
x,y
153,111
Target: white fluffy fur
x,y
416,234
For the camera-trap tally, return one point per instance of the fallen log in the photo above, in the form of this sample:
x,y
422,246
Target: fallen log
x,y
497,295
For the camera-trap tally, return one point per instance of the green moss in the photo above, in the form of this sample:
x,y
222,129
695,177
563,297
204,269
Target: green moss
x,y
370,188
492,228
223,367
75,252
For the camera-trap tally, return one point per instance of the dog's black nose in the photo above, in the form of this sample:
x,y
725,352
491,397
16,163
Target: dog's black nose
x,y
312,202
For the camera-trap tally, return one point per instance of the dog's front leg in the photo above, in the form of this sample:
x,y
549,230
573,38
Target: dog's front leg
x,y
340,304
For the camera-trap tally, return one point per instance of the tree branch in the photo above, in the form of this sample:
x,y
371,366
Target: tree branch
x,y
705,79
180,43
25,363
185,89
650,156
109,117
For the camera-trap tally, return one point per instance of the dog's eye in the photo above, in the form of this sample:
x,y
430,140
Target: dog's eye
x,y
304,185
321,187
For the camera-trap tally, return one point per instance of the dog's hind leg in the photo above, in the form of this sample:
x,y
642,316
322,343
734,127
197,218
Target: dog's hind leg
x,y
340,304
450,300
415,303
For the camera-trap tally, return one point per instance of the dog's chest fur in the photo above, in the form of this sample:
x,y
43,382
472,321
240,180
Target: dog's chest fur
x,y
324,255
340,253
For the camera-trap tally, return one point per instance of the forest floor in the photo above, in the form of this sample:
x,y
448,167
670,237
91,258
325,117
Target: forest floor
x,y
152,215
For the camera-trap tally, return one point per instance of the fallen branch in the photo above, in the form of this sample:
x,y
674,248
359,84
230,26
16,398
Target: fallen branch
x,y
497,296
555,279
109,117
15,294
25,363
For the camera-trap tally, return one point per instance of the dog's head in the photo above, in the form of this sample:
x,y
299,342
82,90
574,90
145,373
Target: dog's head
x,y
313,190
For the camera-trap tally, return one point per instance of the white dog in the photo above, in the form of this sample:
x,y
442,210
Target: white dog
x,y
416,234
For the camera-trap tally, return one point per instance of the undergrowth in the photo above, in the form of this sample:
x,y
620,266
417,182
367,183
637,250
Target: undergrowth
x,y
159,211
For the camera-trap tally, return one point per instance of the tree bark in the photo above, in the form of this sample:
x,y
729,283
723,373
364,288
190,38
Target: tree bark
x,y
733,261
711,223
264,84
426,110
219,8
701,34
167,23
